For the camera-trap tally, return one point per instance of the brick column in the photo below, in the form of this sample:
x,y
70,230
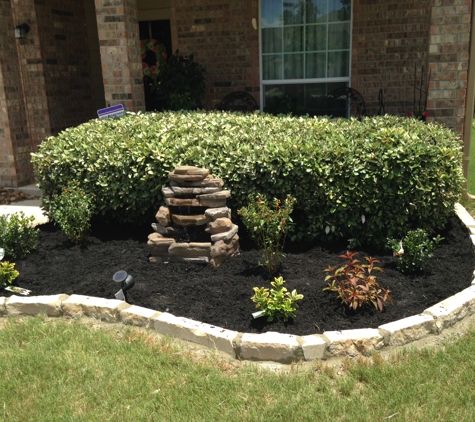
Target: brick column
x,y
118,29
32,73
448,58
15,168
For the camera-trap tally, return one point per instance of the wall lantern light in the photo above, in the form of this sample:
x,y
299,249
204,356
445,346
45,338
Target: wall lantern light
x,y
127,282
21,31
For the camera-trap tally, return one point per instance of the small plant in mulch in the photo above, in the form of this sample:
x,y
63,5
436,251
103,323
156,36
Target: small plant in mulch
x,y
268,226
414,250
356,284
278,302
17,236
7,273
72,210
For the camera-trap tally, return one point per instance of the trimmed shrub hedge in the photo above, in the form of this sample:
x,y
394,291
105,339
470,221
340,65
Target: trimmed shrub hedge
x,y
367,180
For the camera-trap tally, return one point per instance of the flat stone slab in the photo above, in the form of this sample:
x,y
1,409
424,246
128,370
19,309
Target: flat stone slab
x,y
189,250
453,309
104,309
139,316
183,202
168,231
158,239
272,346
208,181
190,220
223,194
35,305
353,342
193,260
196,332
314,347
408,329
180,190
3,309
215,213
213,203
168,192
226,236
173,175
191,170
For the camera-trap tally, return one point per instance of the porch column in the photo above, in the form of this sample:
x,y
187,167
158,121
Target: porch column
x,y
15,168
448,61
119,43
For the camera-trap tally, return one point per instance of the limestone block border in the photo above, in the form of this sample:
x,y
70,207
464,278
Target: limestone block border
x,y
270,346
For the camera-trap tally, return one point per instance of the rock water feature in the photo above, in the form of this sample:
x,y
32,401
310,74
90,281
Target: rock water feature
x,y
195,224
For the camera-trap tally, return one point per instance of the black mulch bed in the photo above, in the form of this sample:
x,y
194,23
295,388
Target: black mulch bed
x,y
221,296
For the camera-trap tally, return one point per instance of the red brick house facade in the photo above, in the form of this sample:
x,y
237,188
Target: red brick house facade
x,y
81,55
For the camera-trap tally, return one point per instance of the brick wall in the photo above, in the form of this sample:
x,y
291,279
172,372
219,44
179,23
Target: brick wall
x,y
221,37
448,56
390,40
14,140
120,53
64,63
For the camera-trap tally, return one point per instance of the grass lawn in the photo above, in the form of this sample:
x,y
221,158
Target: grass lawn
x,y
65,370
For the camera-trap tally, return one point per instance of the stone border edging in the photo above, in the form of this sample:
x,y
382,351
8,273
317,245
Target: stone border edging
x,y
269,346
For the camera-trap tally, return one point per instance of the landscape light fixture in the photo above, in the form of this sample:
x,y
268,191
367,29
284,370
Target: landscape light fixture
x,y
21,31
127,282
2,253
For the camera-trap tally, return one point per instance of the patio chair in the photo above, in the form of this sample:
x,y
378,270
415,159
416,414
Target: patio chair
x,y
344,102
238,101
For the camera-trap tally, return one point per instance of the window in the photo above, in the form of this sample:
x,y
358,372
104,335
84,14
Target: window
x,y
305,51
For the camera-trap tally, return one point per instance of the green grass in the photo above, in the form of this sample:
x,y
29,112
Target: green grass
x,y
61,370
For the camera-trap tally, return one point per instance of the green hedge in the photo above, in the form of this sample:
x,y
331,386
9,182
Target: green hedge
x,y
364,180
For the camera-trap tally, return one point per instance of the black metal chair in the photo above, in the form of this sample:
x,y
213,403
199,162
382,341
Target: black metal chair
x,y
344,102
238,101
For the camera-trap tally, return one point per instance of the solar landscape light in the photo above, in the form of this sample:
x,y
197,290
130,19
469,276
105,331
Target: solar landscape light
x,y
127,282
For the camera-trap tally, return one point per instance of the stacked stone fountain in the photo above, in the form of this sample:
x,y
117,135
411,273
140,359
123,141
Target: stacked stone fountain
x,y
195,203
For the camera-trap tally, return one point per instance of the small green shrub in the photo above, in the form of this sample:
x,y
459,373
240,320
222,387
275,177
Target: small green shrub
x,y
72,210
269,226
277,303
414,250
17,235
367,180
7,273
182,83
355,283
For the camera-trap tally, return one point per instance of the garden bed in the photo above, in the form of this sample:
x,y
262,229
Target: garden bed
x,y
221,296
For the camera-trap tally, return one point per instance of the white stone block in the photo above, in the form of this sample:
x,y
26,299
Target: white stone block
x,y
271,346
314,347
196,332
215,213
453,309
139,316
3,309
464,216
353,342
34,305
103,309
408,329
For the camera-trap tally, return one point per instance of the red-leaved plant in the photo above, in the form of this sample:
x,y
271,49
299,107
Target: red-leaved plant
x,y
355,283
